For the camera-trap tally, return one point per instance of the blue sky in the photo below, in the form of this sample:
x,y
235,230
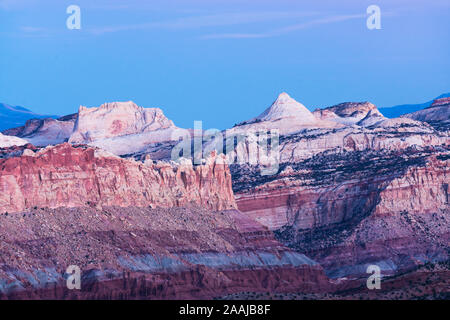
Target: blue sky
x,y
221,61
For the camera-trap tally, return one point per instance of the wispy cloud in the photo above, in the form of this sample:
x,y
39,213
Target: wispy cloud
x,y
288,29
217,20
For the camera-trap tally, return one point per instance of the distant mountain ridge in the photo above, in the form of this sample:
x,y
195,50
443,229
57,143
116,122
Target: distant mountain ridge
x,y
397,111
16,116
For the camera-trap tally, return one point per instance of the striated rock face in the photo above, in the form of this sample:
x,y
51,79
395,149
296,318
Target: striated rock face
x,y
66,176
421,189
44,132
329,188
389,134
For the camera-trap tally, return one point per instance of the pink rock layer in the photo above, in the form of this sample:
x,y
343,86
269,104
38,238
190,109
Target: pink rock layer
x,y
67,176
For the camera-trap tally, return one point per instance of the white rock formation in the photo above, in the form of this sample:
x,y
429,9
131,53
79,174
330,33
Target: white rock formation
x,y
345,127
9,141
121,127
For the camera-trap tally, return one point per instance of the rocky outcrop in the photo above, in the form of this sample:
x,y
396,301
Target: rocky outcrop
x,y
66,176
44,132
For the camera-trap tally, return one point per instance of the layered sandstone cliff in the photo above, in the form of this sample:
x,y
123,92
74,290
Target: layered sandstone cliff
x,y
351,209
67,176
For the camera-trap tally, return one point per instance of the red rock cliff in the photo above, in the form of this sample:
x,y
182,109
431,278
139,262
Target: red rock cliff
x,y
66,176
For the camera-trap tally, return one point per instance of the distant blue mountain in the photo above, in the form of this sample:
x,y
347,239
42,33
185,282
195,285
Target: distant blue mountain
x,y
397,111
15,116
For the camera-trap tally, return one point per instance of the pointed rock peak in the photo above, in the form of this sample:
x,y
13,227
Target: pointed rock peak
x,y
284,97
286,107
